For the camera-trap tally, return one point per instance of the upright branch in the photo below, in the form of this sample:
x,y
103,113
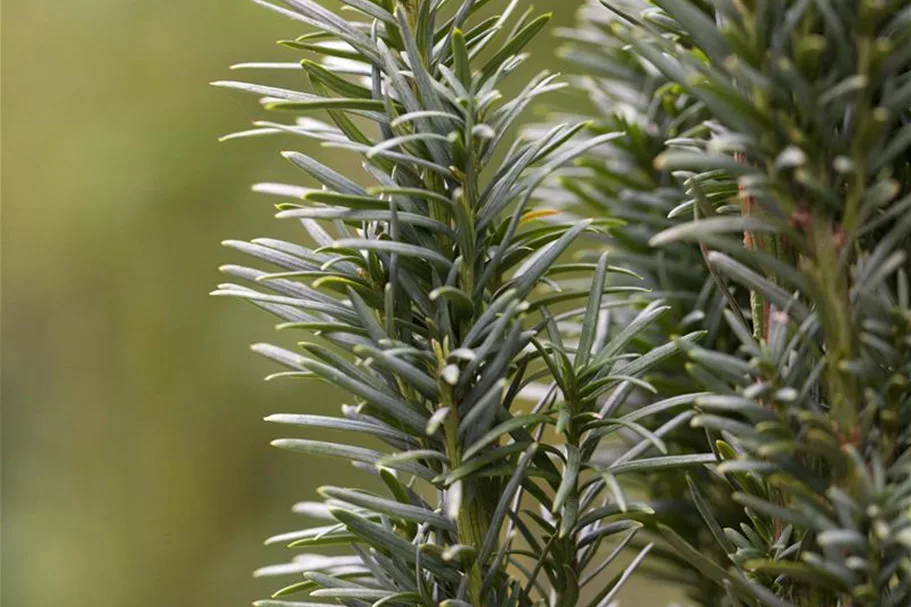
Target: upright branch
x,y
802,180
425,291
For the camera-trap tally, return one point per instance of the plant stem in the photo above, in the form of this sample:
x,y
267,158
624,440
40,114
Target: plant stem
x,y
568,594
835,316
471,521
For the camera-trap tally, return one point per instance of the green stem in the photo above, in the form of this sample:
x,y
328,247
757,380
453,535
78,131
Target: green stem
x,y
835,316
471,521
568,595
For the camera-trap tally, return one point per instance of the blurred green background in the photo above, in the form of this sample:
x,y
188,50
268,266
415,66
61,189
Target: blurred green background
x,y
135,466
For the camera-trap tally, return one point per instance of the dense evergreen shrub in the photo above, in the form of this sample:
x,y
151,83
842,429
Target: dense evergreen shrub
x,y
671,332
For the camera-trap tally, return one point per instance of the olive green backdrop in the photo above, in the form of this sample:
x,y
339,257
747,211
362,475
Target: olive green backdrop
x,y
136,470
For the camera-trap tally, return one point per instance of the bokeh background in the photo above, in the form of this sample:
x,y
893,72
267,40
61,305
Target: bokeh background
x,y
135,466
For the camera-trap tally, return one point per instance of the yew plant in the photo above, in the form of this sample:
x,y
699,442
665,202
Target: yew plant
x,y
668,335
